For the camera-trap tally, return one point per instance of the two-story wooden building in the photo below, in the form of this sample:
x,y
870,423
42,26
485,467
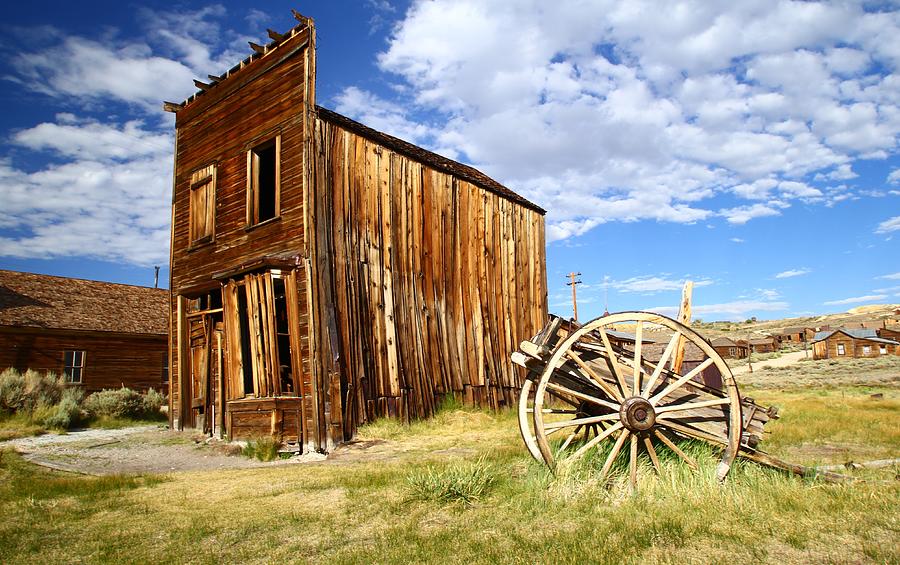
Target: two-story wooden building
x,y
324,274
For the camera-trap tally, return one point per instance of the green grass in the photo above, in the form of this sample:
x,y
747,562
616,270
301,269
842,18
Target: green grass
x,y
263,449
461,488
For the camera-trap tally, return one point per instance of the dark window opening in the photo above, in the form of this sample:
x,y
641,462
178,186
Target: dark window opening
x,y
263,187
246,354
282,333
73,366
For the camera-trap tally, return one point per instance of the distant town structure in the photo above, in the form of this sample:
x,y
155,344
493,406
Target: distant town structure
x,y
762,344
842,343
98,335
324,274
730,349
796,335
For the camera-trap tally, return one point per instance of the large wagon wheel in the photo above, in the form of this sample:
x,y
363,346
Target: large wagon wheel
x,y
622,397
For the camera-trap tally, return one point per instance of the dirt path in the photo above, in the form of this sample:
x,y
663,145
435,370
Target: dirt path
x,y
140,449
783,361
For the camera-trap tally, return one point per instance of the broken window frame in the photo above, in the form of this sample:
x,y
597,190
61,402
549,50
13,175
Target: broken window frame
x,y
254,217
255,314
202,208
73,366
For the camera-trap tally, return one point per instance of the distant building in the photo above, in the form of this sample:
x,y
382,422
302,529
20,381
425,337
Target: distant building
x,y
835,344
729,349
763,344
98,335
796,335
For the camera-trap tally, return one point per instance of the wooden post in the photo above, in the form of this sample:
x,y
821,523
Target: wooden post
x,y
684,316
572,283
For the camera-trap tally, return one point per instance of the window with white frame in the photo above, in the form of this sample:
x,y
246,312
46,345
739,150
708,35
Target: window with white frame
x,y
867,349
840,349
882,349
73,366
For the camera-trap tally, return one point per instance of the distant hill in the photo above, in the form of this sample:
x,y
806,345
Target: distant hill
x,y
867,313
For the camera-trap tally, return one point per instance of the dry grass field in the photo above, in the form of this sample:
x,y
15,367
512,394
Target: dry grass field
x,y
460,488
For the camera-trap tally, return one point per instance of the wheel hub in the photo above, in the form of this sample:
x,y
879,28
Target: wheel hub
x,y
637,414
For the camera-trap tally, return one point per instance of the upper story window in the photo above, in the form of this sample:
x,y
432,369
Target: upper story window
x,y
264,181
203,205
73,366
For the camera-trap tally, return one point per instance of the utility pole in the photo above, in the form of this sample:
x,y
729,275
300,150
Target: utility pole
x,y
606,295
572,282
156,278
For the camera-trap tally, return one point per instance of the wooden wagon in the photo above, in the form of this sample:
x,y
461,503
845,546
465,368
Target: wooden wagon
x,y
606,383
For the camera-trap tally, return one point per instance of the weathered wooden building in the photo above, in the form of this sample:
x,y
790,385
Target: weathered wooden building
x,y
729,349
796,335
324,274
762,344
98,335
839,343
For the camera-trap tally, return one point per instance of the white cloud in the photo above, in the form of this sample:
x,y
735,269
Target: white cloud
x,y
651,284
735,310
856,299
892,276
743,214
607,111
106,201
737,240
177,47
894,177
792,273
889,225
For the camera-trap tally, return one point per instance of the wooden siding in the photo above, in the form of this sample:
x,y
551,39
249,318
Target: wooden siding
x,y
853,347
219,129
111,360
410,277
435,281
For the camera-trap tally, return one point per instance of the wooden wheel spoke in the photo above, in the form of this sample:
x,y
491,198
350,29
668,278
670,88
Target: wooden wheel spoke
x,y
582,396
651,451
638,339
693,432
593,377
620,441
584,448
581,421
613,362
552,411
669,408
682,380
569,439
657,371
632,463
671,445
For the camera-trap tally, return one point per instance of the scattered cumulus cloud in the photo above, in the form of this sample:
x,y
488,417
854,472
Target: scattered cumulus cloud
x,y
649,114
792,273
650,284
856,300
888,226
892,276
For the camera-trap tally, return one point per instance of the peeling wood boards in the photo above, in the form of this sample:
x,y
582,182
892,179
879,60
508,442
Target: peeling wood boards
x,y
434,280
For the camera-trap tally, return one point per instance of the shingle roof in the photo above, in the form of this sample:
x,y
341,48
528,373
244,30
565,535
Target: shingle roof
x,y
723,342
866,334
44,301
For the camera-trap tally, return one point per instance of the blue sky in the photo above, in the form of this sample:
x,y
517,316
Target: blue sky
x,y
752,148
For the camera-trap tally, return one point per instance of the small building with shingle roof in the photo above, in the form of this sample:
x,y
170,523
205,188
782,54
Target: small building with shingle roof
x,y
729,349
845,342
98,334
